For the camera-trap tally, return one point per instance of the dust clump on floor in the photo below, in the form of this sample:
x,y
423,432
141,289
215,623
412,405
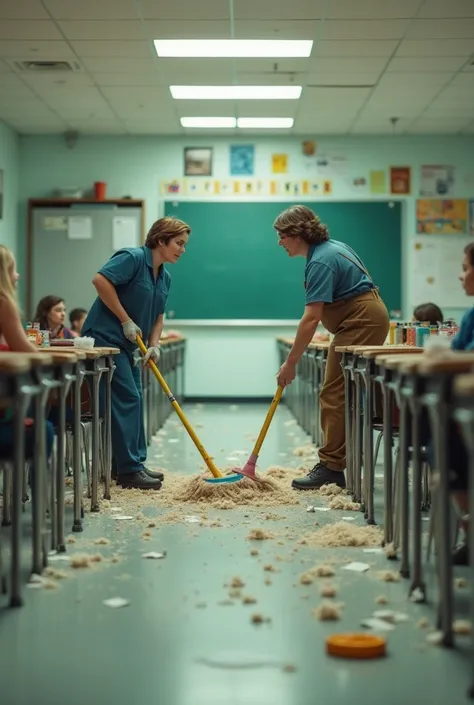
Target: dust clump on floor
x,y
381,600
328,612
269,568
423,623
254,552
462,626
460,583
388,576
101,541
258,618
328,590
71,539
81,560
304,451
249,600
319,571
330,490
237,583
343,502
260,535
345,534
390,551
50,585
55,573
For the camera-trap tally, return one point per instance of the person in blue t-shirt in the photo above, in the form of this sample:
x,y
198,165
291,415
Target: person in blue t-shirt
x,y
341,294
132,290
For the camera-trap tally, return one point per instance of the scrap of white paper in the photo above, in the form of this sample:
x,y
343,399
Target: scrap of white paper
x,y
80,227
233,459
59,557
322,509
115,509
348,518
391,616
173,440
377,624
124,233
123,517
153,555
311,509
192,520
357,567
116,602
373,550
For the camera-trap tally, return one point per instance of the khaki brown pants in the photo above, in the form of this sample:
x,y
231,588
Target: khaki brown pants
x,y
362,320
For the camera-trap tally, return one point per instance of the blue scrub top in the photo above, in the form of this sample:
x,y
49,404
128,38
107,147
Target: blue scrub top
x,y
464,340
333,273
143,298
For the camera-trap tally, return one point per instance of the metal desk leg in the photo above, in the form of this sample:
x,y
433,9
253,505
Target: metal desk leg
x,y
39,484
439,418
76,450
388,463
357,457
23,398
417,582
348,421
369,470
67,379
403,507
108,427
96,376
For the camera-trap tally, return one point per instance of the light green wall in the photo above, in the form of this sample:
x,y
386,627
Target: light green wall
x,y
10,164
134,166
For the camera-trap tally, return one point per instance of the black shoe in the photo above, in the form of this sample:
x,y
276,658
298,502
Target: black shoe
x,y
319,476
461,555
154,475
138,481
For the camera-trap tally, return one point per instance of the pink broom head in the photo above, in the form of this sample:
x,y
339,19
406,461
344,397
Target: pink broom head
x,y
249,468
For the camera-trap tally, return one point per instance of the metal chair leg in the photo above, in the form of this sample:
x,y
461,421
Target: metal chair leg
x,y
7,494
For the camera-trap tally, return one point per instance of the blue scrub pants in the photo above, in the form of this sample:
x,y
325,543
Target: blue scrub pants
x,y
129,449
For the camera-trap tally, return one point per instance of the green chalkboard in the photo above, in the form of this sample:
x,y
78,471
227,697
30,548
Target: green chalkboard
x,y
234,269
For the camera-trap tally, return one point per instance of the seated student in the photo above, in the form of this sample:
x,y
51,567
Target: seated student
x,y
77,318
51,314
13,337
458,464
428,313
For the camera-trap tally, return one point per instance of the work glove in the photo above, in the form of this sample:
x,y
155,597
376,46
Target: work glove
x,y
153,353
131,330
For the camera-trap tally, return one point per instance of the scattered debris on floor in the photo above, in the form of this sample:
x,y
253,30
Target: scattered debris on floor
x,y
237,582
344,534
382,600
423,623
249,600
343,502
254,552
55,573
378,625
460,583
462,626
357,567
116,602
388,576
260,535
328,590
258,618
101,541
269,568
390,551
328,612
71,539
81,560
435,638
319,571
330,490
152,555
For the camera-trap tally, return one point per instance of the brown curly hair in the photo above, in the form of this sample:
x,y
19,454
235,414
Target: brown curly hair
x,y
164,230
301,221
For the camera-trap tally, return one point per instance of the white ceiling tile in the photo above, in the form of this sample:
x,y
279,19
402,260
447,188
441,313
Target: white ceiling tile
x,y
445,63
441,29
256,78
463,80
371,9
37,126
132,49
31,30
141,103
341,79
121,65
125,80
46,83
456,96
185,10
442,127
358,49
150,126
408,79
267,108
4,67
16,93
24,10
27,109
102,30
182,29
206,108
469,128
276,29
372,125
74,104
9,79
355,65
92,9
270,10
438,109
315,126
441,8
35,51
365,29
331,101
436,48
97,126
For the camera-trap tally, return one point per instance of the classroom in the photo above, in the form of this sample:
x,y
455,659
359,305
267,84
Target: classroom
x,y
236,351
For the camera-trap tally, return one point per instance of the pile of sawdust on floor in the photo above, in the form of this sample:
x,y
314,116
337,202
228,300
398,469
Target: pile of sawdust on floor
x,y
344,534
319,571
381,600
330,490
328,590
328,612
304,451
260,535
343,502
389,576
462,626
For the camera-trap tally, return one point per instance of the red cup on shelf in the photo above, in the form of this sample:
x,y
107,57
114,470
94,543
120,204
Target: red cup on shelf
x,y
100,188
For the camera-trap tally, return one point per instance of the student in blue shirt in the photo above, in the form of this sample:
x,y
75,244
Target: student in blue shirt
x,y
341,294
132,290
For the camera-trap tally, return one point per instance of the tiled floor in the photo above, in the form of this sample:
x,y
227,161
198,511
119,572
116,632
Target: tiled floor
x,y
65,647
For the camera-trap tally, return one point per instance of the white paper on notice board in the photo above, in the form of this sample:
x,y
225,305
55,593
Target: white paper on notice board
x,y
437,262
125,233
80,227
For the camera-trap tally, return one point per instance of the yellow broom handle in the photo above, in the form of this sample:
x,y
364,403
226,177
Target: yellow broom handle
x,y
207,459
268,420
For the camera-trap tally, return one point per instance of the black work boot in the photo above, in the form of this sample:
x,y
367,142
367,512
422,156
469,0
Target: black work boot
x,y
138,481
461,554
320,475
154,475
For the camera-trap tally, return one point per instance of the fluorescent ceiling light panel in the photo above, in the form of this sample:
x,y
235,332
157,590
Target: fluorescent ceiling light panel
x,y
235,92
265,122
228,122
234,48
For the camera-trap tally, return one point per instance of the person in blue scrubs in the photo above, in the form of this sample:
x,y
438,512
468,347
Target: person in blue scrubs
x,y
132,290
342,296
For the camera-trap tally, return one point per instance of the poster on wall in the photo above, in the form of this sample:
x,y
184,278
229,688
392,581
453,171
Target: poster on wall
x,y
198,161
279,163
309,147
172,187
242,159
1,194
443,217
436,180
378,182
400,180
436,268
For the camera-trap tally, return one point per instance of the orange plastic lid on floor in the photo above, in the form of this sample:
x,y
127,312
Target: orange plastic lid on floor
x,y
356,646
